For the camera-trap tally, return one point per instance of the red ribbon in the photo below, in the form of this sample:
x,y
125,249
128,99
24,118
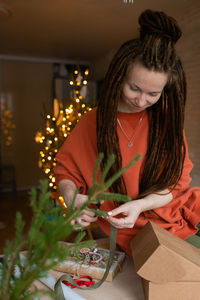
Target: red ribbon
x,y
80,282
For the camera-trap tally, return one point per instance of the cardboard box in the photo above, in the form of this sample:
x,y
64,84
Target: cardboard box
x,y
169,266
171,290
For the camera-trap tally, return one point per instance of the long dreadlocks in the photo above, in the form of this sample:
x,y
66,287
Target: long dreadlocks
x,y
155,49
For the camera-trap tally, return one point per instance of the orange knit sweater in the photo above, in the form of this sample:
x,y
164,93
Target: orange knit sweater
x,y
76,160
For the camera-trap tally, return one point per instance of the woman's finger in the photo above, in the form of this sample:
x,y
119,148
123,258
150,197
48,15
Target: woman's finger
x,y
81,222
80,200
117,222
88,213
121,223
88,218
118,210
115,225
84,220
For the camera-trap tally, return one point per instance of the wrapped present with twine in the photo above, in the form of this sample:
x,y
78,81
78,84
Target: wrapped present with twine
x,y
92,262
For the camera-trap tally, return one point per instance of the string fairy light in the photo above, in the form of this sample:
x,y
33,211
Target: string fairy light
x,y
128,1
59,126
7,125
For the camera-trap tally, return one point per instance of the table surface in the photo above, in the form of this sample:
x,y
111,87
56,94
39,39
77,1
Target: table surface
x,y
126,285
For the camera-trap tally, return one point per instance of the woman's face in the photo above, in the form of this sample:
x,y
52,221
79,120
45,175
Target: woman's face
x,y
141,89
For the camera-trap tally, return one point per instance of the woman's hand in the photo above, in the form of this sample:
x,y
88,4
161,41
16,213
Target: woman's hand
x,y
67,189
87,216
130,211
85,219
80,200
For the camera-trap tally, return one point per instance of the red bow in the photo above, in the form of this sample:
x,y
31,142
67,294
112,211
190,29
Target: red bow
x,y
80,282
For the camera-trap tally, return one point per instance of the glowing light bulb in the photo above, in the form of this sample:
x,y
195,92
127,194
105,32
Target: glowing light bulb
x,y
71,82
65,134
55,139
83,105
85,82
76,72
68,110
49,157
53,119
86,72
79,114
48,117
47,171
77,100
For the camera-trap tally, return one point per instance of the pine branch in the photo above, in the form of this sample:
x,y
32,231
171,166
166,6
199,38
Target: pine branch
x,y
121,172
48,228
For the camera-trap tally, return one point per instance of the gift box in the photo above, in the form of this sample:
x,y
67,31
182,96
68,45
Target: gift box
x,y
92,262
169,266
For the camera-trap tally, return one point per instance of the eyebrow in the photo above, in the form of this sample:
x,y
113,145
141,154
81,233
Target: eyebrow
x,y
156,92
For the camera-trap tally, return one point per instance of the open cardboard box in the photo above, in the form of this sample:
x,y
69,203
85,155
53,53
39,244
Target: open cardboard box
x,y
169,266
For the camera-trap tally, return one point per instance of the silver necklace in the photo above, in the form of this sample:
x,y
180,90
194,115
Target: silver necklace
x,y
130,144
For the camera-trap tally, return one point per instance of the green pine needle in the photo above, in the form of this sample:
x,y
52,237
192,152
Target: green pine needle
x,y
48,227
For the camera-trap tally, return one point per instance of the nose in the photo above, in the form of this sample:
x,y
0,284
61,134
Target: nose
x,y
141,100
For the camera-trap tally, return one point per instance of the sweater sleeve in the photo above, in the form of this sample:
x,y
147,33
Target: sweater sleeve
x,y
76,157
67,161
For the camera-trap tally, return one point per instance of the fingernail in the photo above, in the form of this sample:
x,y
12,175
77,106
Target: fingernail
x,y
109,213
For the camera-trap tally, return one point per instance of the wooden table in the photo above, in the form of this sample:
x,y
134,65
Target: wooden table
x,y
125,286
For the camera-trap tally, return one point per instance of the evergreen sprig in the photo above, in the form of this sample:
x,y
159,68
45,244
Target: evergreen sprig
x,y
49,226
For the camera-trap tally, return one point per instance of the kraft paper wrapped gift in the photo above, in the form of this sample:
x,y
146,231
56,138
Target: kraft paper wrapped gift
x,y
79,267
169,266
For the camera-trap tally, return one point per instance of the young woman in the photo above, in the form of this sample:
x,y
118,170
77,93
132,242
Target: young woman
x,y
141,110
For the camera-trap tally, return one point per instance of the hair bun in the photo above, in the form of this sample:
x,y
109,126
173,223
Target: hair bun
x,y
158,23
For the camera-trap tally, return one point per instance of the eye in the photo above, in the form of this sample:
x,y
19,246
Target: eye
x,y
133,88
153,94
